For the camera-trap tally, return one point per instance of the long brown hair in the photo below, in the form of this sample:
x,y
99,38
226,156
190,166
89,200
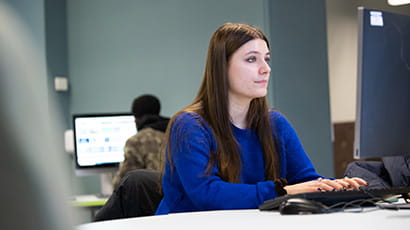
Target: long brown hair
x,y
211,103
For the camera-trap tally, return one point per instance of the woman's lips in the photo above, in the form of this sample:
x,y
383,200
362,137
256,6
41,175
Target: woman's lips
x,y
261,81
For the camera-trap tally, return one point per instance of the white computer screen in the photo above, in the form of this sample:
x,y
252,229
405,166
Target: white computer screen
x,y
99,139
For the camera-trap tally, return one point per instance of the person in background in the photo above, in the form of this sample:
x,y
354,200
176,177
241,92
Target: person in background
x,y
142,150
136,184
228,150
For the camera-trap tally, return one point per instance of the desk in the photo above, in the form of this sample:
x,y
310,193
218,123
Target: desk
x,y
260,220
88,201
91,202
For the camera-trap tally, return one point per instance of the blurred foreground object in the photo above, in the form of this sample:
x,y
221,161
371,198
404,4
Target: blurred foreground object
x,y
33,194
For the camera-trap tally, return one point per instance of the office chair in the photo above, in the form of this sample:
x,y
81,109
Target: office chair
x,y
138,194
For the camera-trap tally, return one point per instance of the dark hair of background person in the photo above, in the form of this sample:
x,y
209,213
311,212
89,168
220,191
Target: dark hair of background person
x,y
146,104
146,110
211,103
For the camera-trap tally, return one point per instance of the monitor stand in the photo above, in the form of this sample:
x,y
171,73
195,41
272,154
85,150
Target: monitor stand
x,y
106,184
106,176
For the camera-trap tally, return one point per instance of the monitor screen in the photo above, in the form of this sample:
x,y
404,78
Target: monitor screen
x,y
382,126
99,139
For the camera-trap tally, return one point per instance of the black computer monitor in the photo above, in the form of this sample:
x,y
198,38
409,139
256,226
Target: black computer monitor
x,y
99,141
382,126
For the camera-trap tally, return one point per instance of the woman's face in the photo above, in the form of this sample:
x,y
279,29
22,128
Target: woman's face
x,y
248,71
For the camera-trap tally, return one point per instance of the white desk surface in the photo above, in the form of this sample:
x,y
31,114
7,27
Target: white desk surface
x,y
257,220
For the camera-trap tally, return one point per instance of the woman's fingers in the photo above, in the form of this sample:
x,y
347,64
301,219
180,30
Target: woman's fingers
x,y
360,181
332,185
343,183
355,182
340,184
324,185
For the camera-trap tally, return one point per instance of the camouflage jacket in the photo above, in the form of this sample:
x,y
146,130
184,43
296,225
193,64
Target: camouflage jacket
x,y
142,151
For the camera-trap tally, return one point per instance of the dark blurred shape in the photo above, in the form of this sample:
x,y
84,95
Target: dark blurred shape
x,y
138,194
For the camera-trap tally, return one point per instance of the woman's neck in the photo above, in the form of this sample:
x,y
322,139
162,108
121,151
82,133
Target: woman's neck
x,y
237,112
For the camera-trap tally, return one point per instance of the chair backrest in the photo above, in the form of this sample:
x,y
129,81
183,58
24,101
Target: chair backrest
x,y
138,194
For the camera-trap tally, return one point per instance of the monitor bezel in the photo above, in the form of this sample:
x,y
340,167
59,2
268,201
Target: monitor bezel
x,y
357,136
361,146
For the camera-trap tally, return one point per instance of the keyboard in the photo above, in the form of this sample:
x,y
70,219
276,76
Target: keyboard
x,y
367,197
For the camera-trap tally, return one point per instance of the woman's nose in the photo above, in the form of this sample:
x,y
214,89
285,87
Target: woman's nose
x,y
264,68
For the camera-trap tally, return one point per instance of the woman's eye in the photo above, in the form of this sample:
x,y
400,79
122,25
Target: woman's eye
x,y
251,59
267,59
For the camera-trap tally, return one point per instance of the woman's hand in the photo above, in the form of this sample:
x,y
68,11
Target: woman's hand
x,y
326,185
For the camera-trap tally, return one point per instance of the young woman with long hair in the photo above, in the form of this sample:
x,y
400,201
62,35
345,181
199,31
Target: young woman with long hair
x,y
228,150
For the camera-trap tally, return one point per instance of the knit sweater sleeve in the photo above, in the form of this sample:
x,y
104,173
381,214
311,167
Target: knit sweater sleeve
x,y
192,142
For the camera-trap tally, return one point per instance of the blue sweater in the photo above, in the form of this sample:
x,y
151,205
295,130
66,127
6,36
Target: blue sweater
x,y
188,188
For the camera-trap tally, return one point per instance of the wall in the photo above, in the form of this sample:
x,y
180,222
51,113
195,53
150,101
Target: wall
x,y
56,52
342,44
300,74
121,49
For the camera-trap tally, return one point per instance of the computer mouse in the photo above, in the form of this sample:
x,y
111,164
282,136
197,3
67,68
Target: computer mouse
x,y
302,206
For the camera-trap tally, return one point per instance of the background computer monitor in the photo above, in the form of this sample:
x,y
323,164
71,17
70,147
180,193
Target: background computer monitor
x,y
382,126
99,141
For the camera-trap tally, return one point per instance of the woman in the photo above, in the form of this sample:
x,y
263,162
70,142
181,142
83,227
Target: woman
x,y
227,150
